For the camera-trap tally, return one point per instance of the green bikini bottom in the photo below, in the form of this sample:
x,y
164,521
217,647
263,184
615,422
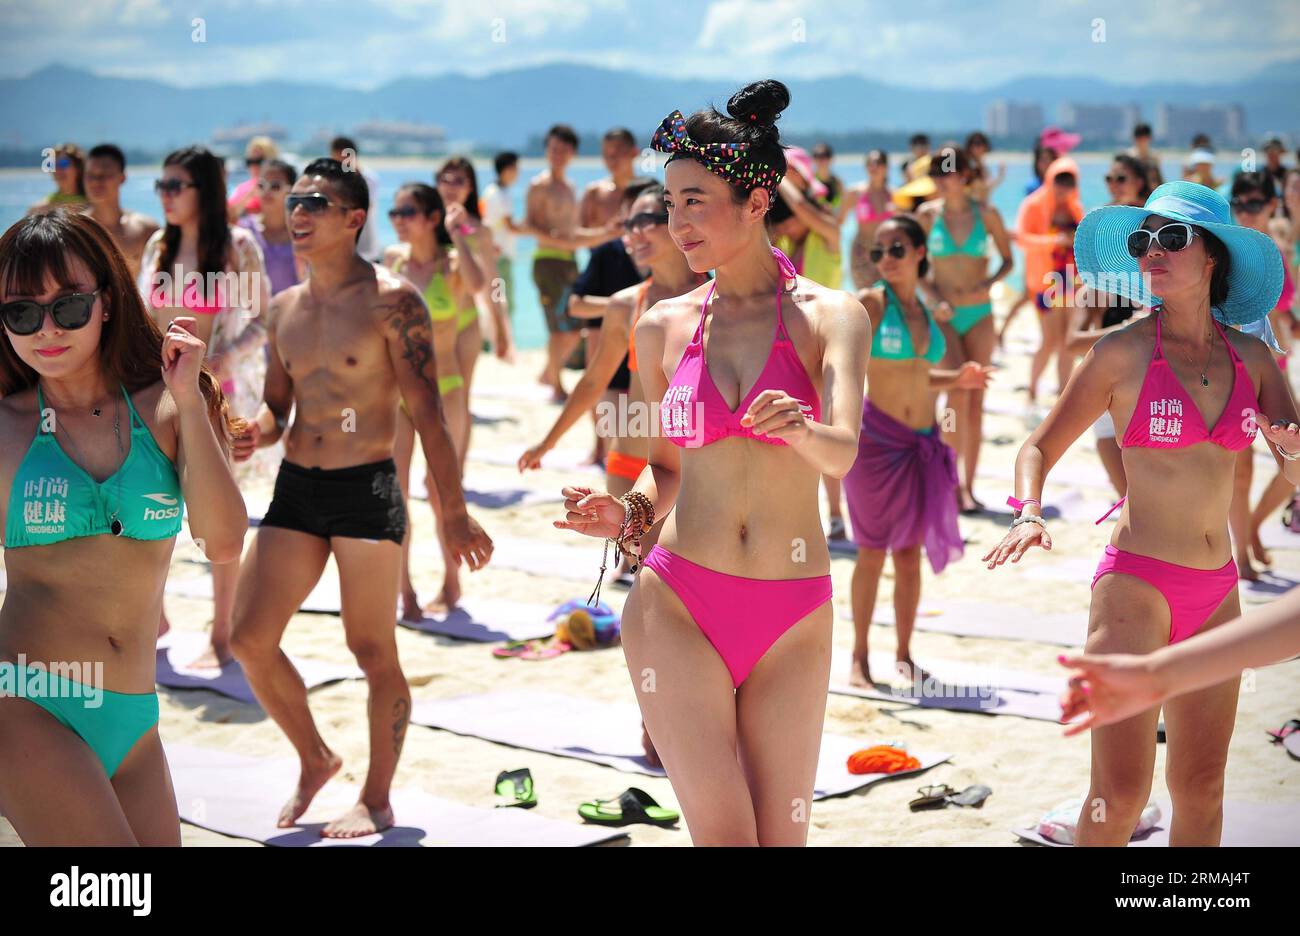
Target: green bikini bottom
x,y
109,722
964,318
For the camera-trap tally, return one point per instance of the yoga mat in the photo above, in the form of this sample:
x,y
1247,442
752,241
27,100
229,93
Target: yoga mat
x,y
555,460
488,620
175,649
1244,825
237,795
964,688
1271,585
324,598
578,561
986,619
608,733
491,412
1275,536
1292,744
513,391
493,495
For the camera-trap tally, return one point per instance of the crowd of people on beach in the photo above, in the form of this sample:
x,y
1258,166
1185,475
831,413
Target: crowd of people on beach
x,y
144,361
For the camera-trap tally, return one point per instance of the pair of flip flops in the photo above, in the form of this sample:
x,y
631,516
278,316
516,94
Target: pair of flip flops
x,y
1288,736
633,805
531,650
940,795
516,786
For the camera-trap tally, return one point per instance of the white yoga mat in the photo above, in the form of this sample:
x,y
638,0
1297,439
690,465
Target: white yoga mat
x,y
1275,536
488,620
987,619
237,795
960,687
578,561
176,649
496,495
530,392
1244,825
1271,585
564,459
608,733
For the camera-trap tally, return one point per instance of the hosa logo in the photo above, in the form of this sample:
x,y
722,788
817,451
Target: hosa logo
x,y
103,890
167,514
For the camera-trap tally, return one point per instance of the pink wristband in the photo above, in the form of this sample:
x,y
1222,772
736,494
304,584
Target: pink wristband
x,y
1020,504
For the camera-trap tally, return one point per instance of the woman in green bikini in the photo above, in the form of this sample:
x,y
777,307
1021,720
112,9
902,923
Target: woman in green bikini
x,y
112,428
448,279
958,230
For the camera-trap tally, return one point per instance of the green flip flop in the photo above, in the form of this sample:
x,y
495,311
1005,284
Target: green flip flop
x,y
633,805
516,786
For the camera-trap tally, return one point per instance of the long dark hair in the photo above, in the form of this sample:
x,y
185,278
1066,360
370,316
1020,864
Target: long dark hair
x,y
1134,167
130,347
209,176
1222,266
460,163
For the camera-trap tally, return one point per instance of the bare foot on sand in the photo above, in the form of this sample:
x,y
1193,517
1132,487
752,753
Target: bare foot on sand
x,y
310,781
358,821
448,600
411,607
214,657
860,673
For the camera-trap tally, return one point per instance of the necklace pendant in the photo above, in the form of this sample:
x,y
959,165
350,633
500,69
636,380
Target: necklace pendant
x,y
96,411
1205,381
115,527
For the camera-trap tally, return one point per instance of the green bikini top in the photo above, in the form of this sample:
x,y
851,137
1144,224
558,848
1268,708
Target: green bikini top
x,y
437,296
53,498
894,338
940,242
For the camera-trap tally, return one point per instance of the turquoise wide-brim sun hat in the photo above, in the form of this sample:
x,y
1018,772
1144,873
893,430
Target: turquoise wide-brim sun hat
x,y
1254,281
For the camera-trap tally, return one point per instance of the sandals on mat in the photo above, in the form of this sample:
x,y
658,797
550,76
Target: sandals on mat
x,y
633,805
940,795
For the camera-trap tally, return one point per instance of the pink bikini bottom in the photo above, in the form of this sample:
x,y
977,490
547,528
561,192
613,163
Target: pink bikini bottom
x,y
1191,594
742,617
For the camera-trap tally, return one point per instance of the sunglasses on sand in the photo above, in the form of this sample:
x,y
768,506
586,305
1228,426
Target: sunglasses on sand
x,y
1173,237
314,203
26,316
896,250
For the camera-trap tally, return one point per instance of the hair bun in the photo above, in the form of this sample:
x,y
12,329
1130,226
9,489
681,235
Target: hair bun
x,y
760,103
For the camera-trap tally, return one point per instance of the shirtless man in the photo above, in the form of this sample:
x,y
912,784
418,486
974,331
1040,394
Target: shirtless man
x,y
130,230
345,347
551,216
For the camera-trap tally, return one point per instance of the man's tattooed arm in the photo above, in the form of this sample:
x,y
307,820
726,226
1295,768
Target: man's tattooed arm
x,y
409,331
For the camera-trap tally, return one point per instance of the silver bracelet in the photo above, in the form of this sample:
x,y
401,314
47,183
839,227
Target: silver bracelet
x,y
1031,518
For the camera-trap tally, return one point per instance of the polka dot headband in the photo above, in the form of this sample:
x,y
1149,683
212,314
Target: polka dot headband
x,y
727,160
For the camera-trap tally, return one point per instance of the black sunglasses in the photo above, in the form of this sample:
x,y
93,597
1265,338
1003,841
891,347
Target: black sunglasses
x,y
1117,179
896,250
313,203
644,219
171,186
402,212
1173,236
26,316
255,161
1249,205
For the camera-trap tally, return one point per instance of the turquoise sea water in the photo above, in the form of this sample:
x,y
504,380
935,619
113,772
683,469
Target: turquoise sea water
x,y
19,190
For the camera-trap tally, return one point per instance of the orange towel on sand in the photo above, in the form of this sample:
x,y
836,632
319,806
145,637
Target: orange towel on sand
x,y
881,759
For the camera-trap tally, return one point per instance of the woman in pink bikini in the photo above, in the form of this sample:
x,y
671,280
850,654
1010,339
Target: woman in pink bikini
x,y
199,265
727,631
872,204
1186,394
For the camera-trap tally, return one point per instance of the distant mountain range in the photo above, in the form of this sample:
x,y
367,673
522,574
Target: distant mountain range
x,y
510,108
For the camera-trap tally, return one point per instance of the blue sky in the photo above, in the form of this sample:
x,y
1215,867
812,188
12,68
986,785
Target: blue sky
x,y
924,43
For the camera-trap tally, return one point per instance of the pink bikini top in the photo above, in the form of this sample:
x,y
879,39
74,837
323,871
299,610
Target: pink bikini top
x,y
1166,417
693,394
867,212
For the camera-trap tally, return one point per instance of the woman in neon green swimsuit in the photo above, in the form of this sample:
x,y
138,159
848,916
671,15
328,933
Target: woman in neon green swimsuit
x,y
113,427
959,290
447,278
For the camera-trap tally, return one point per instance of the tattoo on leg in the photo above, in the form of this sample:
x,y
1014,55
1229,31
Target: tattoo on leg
x,y
401,712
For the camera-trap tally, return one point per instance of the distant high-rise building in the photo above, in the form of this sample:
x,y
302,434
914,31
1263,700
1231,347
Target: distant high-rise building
x,y
1013,119
1176,125
1100,123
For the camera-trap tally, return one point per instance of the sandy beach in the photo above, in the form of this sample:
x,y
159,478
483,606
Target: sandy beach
x,y
1027,763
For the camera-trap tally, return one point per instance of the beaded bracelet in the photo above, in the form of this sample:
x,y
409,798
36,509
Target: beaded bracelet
x,y
638,518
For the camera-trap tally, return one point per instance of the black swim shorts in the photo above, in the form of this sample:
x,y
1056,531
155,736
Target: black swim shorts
x,y
361,502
